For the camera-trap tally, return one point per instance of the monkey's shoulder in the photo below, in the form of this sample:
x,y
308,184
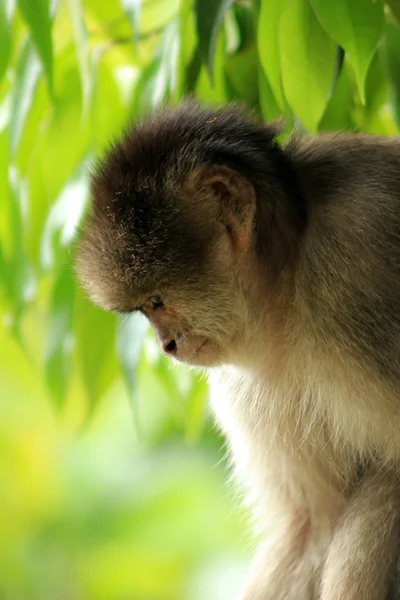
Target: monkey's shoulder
x,y
346,167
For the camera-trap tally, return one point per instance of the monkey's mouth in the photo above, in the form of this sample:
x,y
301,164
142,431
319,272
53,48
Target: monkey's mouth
x,y
190,357
206,341
196,350
205,354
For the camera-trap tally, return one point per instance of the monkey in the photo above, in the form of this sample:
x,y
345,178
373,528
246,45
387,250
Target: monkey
x,y
275,267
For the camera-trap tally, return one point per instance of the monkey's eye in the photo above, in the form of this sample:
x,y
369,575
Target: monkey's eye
x,y
156,302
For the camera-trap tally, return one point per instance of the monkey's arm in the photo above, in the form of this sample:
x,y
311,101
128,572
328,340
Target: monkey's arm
x,y
362,556
283,569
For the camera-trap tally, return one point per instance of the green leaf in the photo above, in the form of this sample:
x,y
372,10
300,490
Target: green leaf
x,y
37,16
156,15
96,336
20,275
341,104
133,10
81,41
375,116
168,376
130,335
5,40
64,218
357,26
188,59
308,58
393,62
268,44
196,409
27,77
269,107
246,21
192,72
4,269
105,122
143,96
60,340
214,91
166,80
159,78
242,71
395,8
393,53
209,17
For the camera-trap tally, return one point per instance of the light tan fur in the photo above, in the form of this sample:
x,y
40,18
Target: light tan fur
x,y
296,414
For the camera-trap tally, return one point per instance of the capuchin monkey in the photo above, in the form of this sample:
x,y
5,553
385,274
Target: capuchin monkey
x,y
276,268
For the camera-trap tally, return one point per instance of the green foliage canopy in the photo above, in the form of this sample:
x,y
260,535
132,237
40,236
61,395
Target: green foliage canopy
x,y
73,73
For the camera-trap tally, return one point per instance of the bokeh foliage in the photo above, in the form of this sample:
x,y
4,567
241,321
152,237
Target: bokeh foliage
x,y
73,73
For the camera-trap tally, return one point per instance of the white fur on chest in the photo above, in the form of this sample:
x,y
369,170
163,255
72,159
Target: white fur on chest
x,y
296,439
281,446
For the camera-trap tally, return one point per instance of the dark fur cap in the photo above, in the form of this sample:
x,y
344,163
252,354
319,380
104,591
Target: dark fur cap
x,y
139,229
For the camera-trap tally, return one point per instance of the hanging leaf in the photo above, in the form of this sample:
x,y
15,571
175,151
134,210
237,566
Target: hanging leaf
x,y
245,18
357,27
142,102
158,80
308,58
154,16
81,42
188,60
19,271
4,269
393,61
60,340
341,104
375,116
130,335
395,8
64,218
268,44
37,16
214,91
192,72
166,79
269,107
133,10
242,72
196,411
5,40
209,17
27,77
108,110
96,337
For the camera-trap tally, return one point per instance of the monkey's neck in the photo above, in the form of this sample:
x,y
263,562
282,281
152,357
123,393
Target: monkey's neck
x,y
268,314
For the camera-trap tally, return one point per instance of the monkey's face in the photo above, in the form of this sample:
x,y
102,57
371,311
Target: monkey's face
x,y
171,229
184,268
201,322
200,315
185,333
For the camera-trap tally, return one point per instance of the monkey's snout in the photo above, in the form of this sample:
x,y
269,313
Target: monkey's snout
x,y
170,347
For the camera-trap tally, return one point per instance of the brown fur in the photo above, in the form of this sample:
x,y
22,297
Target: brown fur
x,y
287,261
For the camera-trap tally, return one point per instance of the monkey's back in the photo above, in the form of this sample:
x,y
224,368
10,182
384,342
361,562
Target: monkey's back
x,y
349,272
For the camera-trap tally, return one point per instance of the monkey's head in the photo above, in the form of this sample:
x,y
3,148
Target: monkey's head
x,y
186,212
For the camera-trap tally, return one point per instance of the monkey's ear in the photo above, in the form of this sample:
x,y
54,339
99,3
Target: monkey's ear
x,y
233,197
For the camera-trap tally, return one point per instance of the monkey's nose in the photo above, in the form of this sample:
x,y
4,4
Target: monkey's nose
x,y
170,347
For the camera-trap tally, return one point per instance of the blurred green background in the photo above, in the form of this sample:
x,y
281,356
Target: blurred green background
x,y
112,478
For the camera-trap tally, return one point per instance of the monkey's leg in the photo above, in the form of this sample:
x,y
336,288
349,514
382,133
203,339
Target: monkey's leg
x,y
362,554
394,578
288,565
